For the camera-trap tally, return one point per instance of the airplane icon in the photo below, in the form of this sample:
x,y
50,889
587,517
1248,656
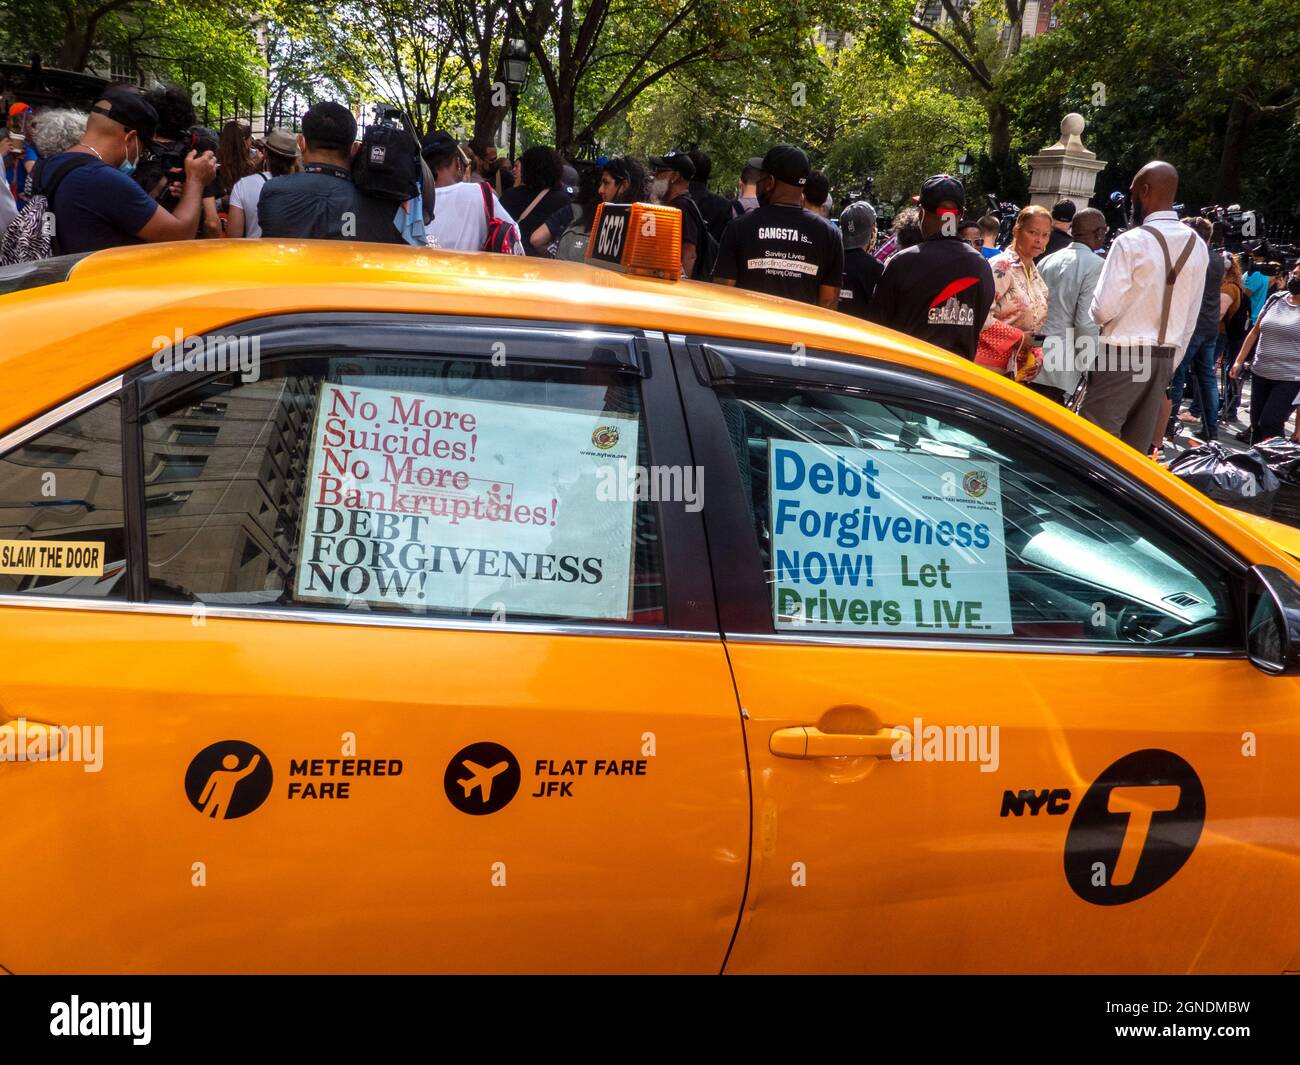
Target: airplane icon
x,y
481,777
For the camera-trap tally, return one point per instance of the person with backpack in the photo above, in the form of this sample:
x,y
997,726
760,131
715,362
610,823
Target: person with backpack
x,y
538,194
780,248
566,232
322,201
672,176
467,214
280,157
84,199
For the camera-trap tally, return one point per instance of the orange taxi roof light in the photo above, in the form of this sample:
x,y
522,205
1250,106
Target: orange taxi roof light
x,y
637,238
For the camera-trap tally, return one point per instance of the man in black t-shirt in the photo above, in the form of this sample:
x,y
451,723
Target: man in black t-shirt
x,y
672,174
715,209
321,202
940,290
780,248
862,270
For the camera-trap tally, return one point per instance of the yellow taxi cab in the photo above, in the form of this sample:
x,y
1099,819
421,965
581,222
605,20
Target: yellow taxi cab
x,y
366,609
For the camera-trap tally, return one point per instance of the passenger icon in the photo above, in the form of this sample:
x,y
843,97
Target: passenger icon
x,y
227,780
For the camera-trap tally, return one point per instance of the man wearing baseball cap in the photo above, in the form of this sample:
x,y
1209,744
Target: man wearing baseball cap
x,y
861,269
671,174
780,248
940,290
91,196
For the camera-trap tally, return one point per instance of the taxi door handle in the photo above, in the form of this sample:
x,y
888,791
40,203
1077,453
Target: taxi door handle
x,y
31,741
808,741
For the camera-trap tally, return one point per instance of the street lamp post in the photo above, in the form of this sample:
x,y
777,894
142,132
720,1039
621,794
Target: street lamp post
x,y
514,63
964,164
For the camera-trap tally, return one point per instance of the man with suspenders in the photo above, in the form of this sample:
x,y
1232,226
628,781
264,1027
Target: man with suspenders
x,y
1146,304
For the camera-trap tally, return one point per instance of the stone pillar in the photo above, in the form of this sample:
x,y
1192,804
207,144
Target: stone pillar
x,y
1065,171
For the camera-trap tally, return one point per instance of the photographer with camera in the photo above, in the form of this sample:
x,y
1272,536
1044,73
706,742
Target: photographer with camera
x,y
162,171
91,195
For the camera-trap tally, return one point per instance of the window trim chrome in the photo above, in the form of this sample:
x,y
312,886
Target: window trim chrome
x,y
957,643
69,409
342,617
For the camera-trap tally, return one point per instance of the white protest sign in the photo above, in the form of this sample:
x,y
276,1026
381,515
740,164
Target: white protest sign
x,y
465,504
885,541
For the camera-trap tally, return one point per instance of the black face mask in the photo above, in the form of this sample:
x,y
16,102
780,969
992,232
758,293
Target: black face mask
x,y
1293,285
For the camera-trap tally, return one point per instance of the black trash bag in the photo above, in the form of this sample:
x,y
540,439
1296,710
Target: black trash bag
x,y
1283,458
1241,479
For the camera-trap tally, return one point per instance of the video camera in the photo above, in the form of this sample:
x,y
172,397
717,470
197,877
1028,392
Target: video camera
x,y
165,163
1005,213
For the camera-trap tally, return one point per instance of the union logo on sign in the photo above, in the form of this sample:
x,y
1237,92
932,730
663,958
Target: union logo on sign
x,y
975,483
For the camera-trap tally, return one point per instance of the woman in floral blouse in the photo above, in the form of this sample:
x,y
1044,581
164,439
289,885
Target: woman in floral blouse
x,y
1019,293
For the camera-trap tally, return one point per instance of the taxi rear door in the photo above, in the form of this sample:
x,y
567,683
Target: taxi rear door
x,y
998,712
302,767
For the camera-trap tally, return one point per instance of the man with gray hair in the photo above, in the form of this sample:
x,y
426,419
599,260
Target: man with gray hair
x,y
1071,276
861,269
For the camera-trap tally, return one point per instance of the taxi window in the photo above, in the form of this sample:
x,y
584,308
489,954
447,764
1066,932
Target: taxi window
x,y
426,486
61,523
880,517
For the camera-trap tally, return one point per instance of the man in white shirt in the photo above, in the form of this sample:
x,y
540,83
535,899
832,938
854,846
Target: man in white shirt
x,y
1145,322
460,208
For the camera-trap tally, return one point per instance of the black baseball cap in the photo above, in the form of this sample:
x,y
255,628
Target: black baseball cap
x,y
787,163
1063,211
128,107
674,160
942,188
438,147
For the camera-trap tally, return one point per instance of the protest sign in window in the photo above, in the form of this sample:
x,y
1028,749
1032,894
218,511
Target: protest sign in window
x,y
465,505
886,541
431,485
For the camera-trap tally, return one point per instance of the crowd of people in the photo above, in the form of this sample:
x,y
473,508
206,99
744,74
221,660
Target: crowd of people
x,y
1114,330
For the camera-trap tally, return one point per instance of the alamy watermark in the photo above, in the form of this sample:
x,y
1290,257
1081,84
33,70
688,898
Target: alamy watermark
x,y
209,354
949,743
23,741
621,481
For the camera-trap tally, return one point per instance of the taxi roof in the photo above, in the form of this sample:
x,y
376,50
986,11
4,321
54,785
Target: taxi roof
x,y
62,338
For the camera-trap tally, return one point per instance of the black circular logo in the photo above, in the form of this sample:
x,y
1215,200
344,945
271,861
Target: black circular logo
x,y
481,778
228,779
1134,828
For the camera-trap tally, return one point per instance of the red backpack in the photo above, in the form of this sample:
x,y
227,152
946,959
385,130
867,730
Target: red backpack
x,y
502,236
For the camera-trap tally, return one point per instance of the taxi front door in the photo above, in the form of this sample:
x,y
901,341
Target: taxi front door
x,y
927,802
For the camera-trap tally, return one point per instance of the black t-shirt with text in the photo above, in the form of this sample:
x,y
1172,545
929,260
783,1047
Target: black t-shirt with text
x,y
862,272
939,291
782,250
